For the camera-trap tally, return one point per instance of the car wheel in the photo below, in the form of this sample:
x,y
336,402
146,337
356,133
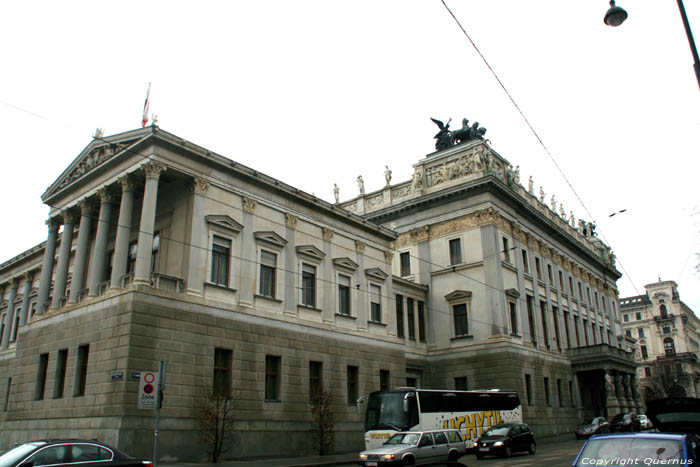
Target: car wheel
x,y
409,461
532,448
479,455
507,451
452,456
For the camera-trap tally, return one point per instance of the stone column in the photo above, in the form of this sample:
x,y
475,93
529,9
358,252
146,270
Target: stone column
x,y
363,290
291,275
612,402
142,269
330,295
198,243
59,288
121,244
81,254
9,317
99,254
47,265
389,312
28,277
248,262
493,274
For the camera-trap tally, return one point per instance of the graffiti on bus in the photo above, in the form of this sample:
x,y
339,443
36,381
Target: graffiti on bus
x,y
472,425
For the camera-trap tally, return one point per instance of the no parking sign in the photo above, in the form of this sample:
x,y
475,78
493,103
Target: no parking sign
x,y
148,390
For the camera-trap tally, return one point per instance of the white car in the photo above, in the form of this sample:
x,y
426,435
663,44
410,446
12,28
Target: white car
x,y
644,422
410,447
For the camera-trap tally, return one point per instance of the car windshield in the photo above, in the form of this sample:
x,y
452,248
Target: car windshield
x,y
17,453
497,431
630,452
404,438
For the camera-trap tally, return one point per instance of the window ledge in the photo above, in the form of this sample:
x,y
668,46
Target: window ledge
x,y
273,400
308,307
219,286
377,323
271,299
464,336
345,316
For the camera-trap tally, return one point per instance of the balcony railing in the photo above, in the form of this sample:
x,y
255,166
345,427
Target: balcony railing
x,y
169,283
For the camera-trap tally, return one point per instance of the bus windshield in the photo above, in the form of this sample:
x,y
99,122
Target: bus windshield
x,y
385,410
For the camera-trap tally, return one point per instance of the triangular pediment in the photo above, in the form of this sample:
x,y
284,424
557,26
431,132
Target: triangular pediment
x,y
346,263
376,273
98,153
224,222
311,251
458,295
271,238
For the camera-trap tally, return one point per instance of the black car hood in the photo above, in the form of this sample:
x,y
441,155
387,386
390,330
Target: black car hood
x,y
493,438
675,414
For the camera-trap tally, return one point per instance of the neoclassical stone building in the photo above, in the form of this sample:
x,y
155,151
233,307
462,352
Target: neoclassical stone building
x,y
159,249
667,335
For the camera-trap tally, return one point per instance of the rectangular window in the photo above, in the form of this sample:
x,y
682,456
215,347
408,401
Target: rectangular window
x,y
220,253
461,383
576,331
41,376
526,263
626,318
641,332
353,387
308,285
547,399
344,295
639,315
571,285
531,318
421,321
460,319
154,252
81,368
15,327
399,315
223,360
628,332
645,354
375,294
3,317
7,395
384,380
315,380
567,330
131,259
60,379
545,322
528,389
560,401
571,394
549,274
538,268
585,330
272,377
268,265
513,318
455,251
647,371
405,261
555,315
506,250
410,316
561,281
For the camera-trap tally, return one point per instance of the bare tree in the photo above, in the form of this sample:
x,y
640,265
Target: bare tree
x,y
322,424
216,425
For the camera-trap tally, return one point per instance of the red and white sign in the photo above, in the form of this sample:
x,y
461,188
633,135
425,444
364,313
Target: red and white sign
x,y
148,390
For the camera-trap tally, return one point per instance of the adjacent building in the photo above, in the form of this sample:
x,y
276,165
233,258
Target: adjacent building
x,y
158,249
667,335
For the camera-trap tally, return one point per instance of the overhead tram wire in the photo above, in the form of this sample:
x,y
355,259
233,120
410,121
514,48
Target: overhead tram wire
x,y
534,132
147,157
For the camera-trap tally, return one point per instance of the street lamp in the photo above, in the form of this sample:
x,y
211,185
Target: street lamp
x,y
615,16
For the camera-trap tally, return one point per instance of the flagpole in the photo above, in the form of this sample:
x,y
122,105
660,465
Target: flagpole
x,y
146,104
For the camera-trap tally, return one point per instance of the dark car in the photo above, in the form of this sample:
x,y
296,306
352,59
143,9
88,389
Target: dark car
x,y
505,439
638,450
625,422
592,426
68,452
675,414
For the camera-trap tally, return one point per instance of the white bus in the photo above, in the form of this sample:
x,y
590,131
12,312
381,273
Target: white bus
x,y
470,412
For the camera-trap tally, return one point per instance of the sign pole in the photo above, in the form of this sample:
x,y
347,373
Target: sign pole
x,y
159,402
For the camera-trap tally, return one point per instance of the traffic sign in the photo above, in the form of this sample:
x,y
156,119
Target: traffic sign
x,y
148,394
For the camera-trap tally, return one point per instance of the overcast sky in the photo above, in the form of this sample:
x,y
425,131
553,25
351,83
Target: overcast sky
x,y
318,92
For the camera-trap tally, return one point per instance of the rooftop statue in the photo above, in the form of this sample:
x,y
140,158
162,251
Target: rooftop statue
x,y
446,138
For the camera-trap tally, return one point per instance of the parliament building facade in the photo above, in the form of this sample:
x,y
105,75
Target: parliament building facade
x,y
158,249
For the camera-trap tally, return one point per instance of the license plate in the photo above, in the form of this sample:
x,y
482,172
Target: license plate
x,y
371,464
483,449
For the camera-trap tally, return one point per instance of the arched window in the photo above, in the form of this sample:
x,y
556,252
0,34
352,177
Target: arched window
x,y
662,310
669,348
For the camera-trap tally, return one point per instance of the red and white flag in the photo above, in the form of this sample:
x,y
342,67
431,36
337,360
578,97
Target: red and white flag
x,y
146,104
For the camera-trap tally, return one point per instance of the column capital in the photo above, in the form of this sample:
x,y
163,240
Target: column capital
x,y
153,169
127,183
54,223
359,246
389,256
105,195
327,234
29,275
68,217
249,204
86,207
199,185
291,220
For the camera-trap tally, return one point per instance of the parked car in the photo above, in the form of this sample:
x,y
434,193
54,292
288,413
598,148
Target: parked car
x,y
413,447
675,414
592,426
84,453
644,422
638,450
505,439
625,421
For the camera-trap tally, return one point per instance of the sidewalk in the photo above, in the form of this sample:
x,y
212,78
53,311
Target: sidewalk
x,y
322,461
